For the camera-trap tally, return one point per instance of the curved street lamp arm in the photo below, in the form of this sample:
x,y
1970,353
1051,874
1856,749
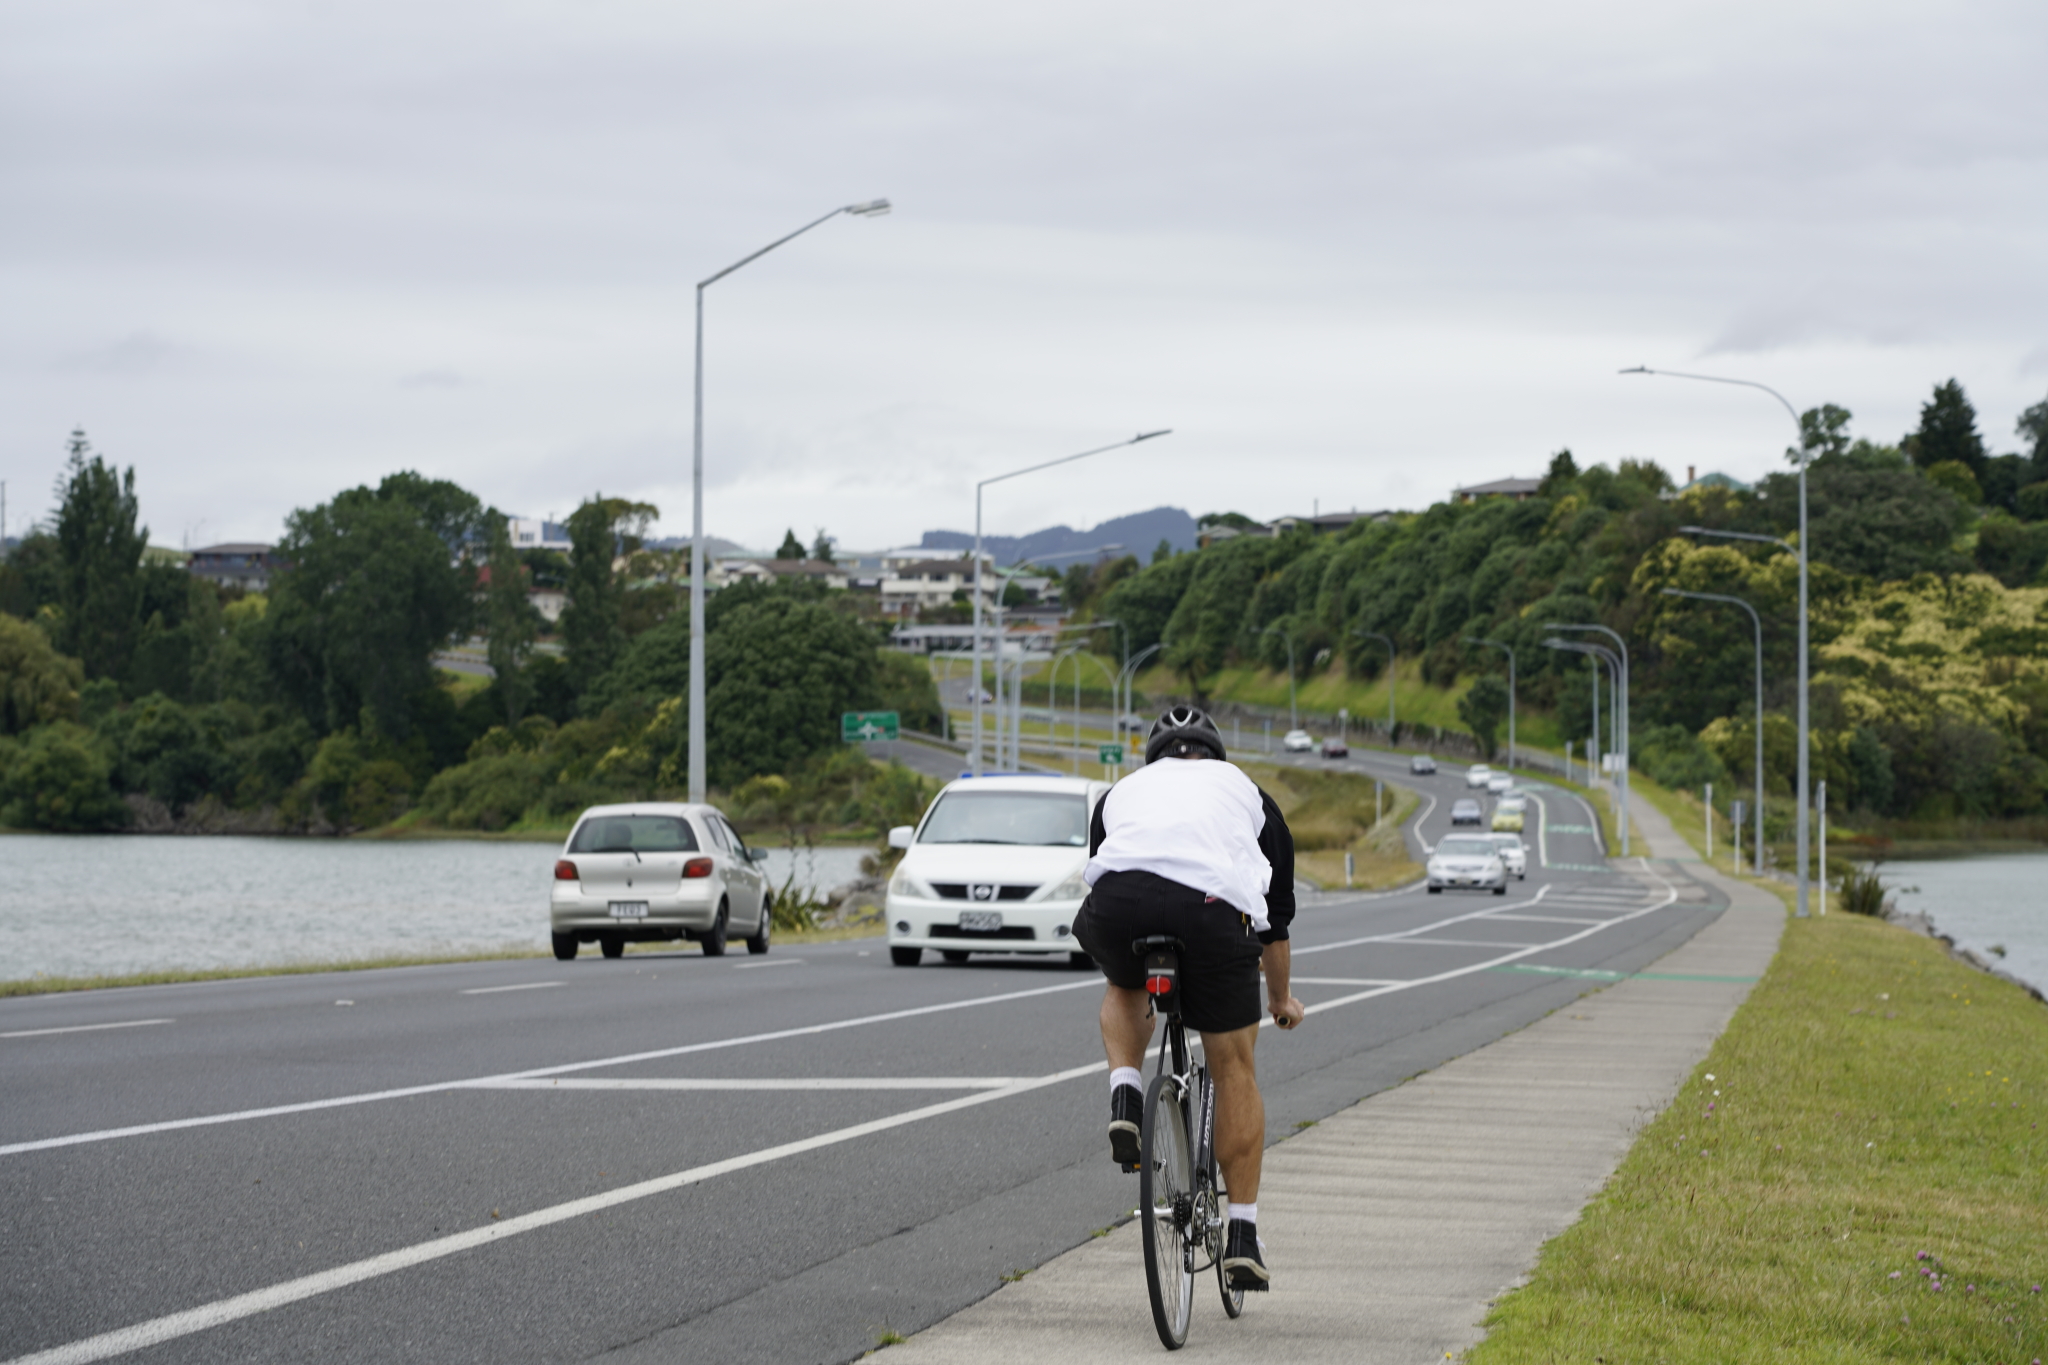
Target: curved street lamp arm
x,y
873,209
1722,379
1740,535
1069,459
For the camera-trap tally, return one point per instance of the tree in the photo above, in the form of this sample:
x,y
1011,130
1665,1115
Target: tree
x,y
1484,708
821,548
1163,551
1563,469
1868,512
57,780
38,686
1822,431
98,549
791,547
1955,476
1948,431
371,593
509,620
590,621
2033,425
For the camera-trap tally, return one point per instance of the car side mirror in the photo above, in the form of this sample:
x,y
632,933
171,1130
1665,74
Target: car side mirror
x,y
757,855
899,837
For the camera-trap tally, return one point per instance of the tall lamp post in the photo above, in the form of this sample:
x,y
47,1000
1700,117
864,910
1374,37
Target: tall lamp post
x,y
1804,747
1126,681
1389,643
1756,623
1598,656
974,745
874,208
1288,636
1509,650
1621,761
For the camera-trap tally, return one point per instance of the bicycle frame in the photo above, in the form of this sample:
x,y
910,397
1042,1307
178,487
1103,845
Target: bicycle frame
x,y
1198,1102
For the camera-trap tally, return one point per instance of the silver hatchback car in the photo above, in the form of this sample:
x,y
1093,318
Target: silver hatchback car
x,y
658,872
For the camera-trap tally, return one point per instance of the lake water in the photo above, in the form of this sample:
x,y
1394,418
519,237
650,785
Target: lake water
x,y
1984,902
109,905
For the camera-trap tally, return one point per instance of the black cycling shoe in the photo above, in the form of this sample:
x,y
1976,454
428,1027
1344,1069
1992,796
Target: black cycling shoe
x,y
1243,1265
1126,1113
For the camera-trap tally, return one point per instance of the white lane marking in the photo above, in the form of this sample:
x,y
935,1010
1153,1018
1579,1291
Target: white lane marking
x,y
756,1083
1458,943
1541,919
522,986
1542,831
1400,934
174,1325
82,1028
436,1087
1346,981
776,962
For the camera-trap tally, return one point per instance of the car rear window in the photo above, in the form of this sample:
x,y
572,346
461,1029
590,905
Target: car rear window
x,y
1041,819
634,834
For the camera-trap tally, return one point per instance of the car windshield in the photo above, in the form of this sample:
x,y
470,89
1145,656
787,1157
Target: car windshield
x,y
634,834
1465,804
1508,840
1466,848
985,817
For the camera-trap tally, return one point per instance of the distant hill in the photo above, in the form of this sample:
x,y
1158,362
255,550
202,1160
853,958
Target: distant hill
x,y
1138,533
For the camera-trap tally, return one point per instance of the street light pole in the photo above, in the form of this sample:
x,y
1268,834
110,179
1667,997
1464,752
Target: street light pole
x,y
1756,622
1509,650
874,208
974,744
1389,643
1804,743
1621,760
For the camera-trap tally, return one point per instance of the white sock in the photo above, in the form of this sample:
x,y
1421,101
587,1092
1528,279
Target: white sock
x,y
1248,1212
1126,1075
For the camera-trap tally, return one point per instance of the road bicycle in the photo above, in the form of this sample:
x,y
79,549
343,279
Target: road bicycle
x,y
1179,1198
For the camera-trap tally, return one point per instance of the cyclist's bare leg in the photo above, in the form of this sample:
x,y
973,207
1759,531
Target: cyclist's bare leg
x,y
1126,1027
1240,1112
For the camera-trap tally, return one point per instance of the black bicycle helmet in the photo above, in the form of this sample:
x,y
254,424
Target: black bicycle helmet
x,y
1180,730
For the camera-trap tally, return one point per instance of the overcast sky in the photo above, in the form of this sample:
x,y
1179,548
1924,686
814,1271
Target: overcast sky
x,y
1349,253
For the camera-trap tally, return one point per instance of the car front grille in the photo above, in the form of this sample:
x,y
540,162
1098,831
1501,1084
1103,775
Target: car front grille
x,y
957,891
1011,931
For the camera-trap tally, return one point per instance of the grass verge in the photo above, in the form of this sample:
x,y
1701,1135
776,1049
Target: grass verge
x,y
1331,813
1867,1128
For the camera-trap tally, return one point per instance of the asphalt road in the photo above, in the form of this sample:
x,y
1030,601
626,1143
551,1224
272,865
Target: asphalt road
x,y
673,1157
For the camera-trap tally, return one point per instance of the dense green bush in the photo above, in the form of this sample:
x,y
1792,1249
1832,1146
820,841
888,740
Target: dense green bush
x,y
56,779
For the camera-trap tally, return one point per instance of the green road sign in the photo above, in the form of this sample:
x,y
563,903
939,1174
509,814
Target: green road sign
x,y
856,726
1109,753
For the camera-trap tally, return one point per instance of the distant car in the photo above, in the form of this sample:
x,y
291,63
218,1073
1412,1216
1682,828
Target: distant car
x,y
1507,821
1465,811
656,872
1477,775
993,867
1297,741
1336,748
1513,800
1512,855
1499,782
1467,861
1422,763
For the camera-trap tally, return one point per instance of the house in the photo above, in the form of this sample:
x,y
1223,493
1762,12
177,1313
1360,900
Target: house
x,y
911,585
1518,490
534,533
769,570
236,565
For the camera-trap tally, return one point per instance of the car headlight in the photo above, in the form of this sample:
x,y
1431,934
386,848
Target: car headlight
x,y
903,884
1072,889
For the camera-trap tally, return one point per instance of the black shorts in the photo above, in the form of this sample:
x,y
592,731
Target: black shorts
x,y
1219,973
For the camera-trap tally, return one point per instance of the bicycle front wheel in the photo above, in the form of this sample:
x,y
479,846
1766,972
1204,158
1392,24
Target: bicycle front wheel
x,y
1166,1201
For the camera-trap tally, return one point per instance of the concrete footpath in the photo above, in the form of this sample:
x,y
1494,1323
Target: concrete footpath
x,y
1392,1225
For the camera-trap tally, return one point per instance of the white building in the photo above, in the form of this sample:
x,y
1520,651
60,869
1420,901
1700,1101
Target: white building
x,y
534,533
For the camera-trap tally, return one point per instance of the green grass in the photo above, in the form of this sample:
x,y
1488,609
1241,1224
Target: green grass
x,y
1330,813
1877,1100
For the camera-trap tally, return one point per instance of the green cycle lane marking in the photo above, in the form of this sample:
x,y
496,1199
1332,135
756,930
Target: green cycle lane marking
x,y
1573,829
1592,974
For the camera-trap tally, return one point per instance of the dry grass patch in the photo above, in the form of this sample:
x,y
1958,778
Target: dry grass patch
x,y
1330,814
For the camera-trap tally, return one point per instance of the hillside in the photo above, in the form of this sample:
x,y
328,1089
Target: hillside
x,y
1139,534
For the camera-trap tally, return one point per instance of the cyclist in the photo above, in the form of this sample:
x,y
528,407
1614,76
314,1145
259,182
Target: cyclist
x,y
1190,846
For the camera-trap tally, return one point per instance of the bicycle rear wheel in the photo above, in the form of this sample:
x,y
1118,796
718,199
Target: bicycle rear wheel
x,y
1166,1202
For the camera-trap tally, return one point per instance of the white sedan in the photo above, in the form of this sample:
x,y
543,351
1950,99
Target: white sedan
x,y
1298,741
1499,782
1513,855
1468,862
1477,775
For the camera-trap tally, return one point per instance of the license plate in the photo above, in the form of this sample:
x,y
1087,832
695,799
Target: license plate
x,y
981,921
629,909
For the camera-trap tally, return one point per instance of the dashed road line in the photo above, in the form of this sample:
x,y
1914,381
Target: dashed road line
x,y
522,986
82,1028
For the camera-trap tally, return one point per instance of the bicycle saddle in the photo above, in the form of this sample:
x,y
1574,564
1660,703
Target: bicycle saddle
x,y
1157,943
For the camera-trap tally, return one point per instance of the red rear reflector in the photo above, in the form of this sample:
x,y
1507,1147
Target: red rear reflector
x,y
1159,985
565,871
697,867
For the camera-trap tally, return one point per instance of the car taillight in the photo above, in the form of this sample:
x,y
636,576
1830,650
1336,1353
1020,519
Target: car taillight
x,y
565,871
697,867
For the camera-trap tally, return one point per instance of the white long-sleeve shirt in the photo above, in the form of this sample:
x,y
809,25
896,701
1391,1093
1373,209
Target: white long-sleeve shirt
x,y
1193,821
